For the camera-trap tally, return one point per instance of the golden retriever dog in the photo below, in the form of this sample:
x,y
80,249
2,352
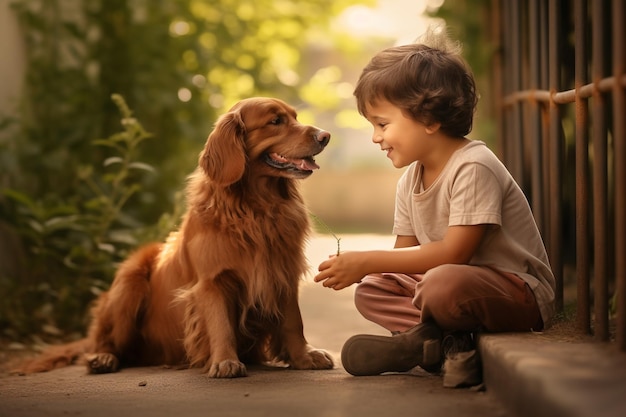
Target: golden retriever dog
x,y
223,289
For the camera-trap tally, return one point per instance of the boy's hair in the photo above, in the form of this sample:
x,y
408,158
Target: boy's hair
x,y
430,84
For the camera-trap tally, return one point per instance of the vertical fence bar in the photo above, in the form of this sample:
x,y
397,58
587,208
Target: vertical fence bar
x,y
556,151
534,28
516,161
619,138
600,195
506,83
545,131
525,106
519,38
498,65
583,311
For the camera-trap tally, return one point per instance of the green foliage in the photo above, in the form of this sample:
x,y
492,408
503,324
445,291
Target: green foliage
x,y
73,244
468,21
178,63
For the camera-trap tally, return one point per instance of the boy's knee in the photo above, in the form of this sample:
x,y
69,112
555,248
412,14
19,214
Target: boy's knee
x,y
439,296
443,281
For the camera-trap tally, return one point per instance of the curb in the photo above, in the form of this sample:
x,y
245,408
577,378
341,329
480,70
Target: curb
x,y
535,377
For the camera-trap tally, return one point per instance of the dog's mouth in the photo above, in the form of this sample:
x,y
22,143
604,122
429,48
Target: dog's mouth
x,y
303,165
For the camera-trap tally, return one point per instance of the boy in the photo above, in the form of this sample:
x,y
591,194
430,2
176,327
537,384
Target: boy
x,y
468,255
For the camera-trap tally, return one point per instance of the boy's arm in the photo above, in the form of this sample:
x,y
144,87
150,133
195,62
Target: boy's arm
x,y
406,241
457,247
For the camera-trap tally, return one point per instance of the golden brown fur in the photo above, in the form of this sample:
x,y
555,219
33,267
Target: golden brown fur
x,y
222,290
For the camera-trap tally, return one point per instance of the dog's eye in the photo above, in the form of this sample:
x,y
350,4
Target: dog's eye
x,y
276,121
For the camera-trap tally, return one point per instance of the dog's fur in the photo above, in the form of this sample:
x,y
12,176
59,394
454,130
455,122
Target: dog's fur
x,y
222,290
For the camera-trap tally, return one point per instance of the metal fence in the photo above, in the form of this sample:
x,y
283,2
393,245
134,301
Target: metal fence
x,y
560,82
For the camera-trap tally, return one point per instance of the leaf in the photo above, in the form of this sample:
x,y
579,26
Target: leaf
x,y
36,226
64,222
95,203
106,247
51,330
123,236
95,290
142,166
20,198
112,160
69,262
105,142
119,137
16,346
129,121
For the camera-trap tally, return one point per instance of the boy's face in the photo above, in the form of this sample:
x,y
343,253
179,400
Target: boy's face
x,y
403,139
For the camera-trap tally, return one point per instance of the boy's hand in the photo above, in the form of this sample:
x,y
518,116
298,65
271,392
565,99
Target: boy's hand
x,y
339,272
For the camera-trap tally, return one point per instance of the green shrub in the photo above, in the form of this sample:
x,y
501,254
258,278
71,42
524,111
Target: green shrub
x,y
71,246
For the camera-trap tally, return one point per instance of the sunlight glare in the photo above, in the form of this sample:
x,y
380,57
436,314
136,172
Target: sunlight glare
x,y
402,20
184,94
179,28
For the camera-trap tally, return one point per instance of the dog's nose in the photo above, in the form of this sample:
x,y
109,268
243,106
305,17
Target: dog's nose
x,y
323,137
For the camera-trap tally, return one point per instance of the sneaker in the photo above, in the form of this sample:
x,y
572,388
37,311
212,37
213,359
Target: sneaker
x,y
372,355
461,367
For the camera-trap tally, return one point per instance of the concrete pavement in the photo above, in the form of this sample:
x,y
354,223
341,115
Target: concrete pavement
x,y
536,376
525,374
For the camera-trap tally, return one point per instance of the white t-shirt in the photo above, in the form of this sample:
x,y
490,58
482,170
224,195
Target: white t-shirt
x,y
476,188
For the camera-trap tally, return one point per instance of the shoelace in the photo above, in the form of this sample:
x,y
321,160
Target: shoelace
x,y
457,342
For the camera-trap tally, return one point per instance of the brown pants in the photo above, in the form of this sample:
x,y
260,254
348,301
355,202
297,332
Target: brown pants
x,y
456,297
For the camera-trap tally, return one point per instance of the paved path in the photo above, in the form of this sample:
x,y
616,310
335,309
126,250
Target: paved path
x,y
329,319
526,374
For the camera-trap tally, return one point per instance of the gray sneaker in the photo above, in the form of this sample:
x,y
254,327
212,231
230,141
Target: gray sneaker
x,y
372,355
461,366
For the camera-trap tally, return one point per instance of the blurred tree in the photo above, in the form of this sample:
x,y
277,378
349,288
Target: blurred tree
x,y
470,22
178,63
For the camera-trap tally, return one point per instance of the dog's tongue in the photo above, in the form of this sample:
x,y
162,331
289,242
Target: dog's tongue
x,y
303,164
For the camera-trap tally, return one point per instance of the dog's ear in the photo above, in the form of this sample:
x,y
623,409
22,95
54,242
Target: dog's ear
x,y
224,156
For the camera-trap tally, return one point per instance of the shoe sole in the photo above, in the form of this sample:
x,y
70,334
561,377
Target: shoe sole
x,y
364,355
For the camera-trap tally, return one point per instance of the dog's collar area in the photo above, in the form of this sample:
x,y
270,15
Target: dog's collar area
x,y
278,161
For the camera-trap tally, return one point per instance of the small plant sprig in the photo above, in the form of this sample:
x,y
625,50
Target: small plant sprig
x,y
329,230
113,189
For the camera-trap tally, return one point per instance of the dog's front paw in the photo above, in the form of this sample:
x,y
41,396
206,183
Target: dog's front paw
x,y
227,369
101,363
313,359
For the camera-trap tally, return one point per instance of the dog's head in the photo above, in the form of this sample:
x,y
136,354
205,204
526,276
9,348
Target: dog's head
x,y
262,136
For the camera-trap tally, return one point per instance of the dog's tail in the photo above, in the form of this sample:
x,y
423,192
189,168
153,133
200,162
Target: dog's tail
x,y
52,358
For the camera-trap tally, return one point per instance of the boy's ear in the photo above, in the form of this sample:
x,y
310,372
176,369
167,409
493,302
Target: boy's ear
x,y
433,128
